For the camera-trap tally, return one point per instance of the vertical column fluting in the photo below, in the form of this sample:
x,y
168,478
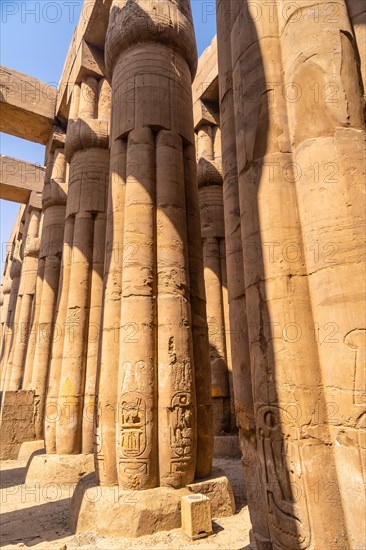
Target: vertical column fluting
x,y
86,151
111,330
242,378
137,374
13,312
329,152
213,235
6,285
159,352
26,293
44,330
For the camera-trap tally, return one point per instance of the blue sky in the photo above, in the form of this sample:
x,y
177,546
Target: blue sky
x,y
34,39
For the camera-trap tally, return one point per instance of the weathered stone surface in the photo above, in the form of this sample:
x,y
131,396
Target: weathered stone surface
x,y
112,510
196,516
16,422
29,448
160,379
220,493
61,469
18,179
27,106
271,144
85,56
51,244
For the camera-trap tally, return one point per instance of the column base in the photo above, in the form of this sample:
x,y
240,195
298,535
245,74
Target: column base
x,y
227,446
61,469
112,511
16,422
28,448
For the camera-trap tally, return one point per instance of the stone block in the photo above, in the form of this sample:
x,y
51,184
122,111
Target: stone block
x,y
112,510
220,493
63,469
16,422
196,516
29,447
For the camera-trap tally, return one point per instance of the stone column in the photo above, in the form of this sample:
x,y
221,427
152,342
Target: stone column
x,y
73,365
5,293
109,358
27,287
13,312
242,379
213,235
155,285
86,150
44,331
282,214
329,152
161,380
16,414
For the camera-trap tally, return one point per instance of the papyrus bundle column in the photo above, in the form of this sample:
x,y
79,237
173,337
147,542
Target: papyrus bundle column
x,y
44,332
161,380
214,258
7,307
329,152
25,302
242,379
13,312
74,357
289,380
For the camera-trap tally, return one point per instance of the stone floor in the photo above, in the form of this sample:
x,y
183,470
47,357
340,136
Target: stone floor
x,y
37,517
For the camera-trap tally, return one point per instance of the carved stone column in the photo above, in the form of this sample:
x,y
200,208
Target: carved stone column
x,y
16,415
213,235
330,155
73,365
44,332
155,274
161,380
27,289
242,378
282,141
13,312
5,292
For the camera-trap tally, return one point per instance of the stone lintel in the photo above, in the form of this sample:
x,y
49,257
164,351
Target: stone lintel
x,y
205,88
27,106
20,181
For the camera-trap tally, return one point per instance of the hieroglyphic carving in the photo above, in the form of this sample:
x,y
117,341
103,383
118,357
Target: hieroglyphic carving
x,y
356,340
180,431
285,497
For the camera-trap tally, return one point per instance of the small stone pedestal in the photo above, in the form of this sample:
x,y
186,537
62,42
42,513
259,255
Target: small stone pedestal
x,y
16,422
62,469
112,511
196,516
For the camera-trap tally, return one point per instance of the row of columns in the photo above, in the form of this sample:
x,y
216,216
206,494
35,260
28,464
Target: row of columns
x,y
122,288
